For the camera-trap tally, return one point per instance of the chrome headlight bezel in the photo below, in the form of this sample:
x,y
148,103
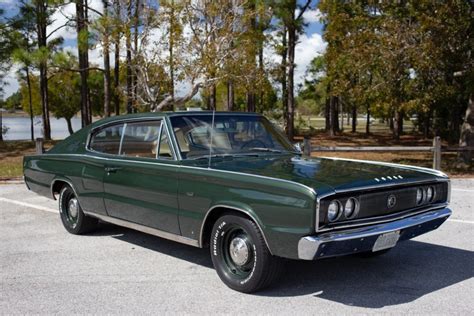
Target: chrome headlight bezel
x,y
430,194
338,205
420,196
354,210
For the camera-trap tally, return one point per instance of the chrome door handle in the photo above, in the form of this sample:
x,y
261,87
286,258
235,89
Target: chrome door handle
x,y
110,170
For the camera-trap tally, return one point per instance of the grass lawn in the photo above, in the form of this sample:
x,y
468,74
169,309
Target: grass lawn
x,y
11,157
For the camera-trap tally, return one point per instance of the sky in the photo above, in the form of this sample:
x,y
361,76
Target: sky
x,y
310,43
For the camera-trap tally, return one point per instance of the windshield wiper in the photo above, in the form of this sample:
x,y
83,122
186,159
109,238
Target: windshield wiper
x,y
211,156
270,150
235,155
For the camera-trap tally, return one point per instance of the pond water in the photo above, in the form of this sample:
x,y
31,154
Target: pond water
x,y
19,127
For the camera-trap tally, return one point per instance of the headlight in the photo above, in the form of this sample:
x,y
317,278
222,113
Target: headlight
x,y
419,196
350,208
430,192
334,210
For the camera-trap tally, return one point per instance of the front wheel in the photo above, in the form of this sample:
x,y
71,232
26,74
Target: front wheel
x,y
240,255
72,216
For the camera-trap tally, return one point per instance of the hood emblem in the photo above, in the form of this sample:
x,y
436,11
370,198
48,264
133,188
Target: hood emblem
x,y
391,201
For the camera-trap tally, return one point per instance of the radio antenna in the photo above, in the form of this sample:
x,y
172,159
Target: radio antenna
x,y
212,135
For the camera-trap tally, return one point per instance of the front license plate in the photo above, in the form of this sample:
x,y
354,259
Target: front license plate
x,y
387,240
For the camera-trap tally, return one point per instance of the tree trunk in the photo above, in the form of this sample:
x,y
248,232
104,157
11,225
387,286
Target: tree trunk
x,y
117,62
336,115
82,48
30,103
171,47
1,126
327,114
466,138
250,101
212,98
354,119
427,124
291,75
69,125
401,115
341,111
367,124
230,95
396,125
41,23
284,88
135,59
262,71
128,46
106,62
251,96
332,116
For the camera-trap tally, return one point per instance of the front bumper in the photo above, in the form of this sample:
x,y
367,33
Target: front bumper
x,y
363,239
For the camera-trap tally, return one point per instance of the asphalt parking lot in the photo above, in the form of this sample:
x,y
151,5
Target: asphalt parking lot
x,y
45,270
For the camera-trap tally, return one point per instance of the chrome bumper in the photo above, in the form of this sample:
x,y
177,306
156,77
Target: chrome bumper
x,y
363,239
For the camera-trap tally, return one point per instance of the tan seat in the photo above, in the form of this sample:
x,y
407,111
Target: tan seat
x,y
183,145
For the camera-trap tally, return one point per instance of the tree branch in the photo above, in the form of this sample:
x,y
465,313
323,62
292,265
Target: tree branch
x,y
303,9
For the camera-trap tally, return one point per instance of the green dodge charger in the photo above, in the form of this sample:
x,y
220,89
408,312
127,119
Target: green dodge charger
x,y
233,182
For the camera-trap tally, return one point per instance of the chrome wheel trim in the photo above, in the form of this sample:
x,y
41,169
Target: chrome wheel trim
x,y
73,208
239,251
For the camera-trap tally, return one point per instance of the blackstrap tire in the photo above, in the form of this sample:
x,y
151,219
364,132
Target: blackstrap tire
x,y
72,216
240,255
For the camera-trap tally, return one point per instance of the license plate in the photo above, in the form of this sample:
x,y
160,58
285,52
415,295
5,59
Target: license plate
x,y
387,240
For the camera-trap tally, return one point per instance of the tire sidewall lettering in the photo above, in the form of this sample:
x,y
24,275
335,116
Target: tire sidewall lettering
x,y
220,232
253,267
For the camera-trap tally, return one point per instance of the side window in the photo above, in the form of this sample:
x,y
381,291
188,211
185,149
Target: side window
x,y
165,147
140,139
107,140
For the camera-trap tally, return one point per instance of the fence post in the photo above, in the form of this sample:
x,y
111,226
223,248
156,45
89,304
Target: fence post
x,y
39,146
437,153
307,146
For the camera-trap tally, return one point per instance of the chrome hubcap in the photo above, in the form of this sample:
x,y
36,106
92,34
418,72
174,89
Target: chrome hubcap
x,y
73,208
239,251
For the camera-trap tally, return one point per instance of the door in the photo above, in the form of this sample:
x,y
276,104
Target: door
x,y
104,143
140,184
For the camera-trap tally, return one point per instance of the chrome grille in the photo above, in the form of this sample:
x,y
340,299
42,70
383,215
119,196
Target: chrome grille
x,y
373,203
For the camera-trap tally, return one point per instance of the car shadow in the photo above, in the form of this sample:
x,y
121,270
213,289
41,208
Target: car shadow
x,y
406,273
171,248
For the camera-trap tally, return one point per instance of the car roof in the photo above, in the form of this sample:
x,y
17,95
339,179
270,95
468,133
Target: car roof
x,y
119,118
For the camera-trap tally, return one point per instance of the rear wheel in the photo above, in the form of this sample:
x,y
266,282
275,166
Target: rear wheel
x,y
240,255
72,216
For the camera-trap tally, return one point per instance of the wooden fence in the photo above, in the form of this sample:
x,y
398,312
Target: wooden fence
x,y
436,149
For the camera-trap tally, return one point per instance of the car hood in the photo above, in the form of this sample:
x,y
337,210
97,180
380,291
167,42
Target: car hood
x,y
329,174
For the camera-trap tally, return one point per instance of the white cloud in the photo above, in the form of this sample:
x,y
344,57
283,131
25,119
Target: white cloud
x,y
59,19
312,16
11,83
308,47
66,14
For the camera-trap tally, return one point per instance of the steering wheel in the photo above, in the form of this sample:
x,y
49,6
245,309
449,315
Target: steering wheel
x,y
254,143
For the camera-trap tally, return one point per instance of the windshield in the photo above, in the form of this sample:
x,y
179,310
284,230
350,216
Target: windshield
x,y
231,135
